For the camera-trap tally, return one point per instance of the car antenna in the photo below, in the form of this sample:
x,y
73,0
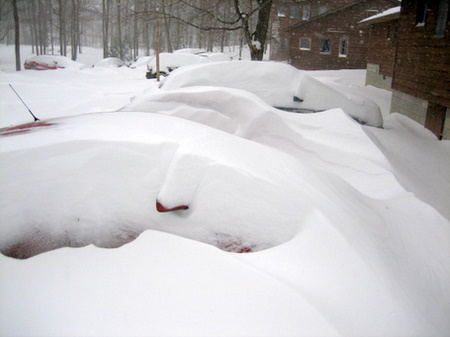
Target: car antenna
x,y
32,114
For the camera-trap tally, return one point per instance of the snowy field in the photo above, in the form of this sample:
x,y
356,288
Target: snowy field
x,y
290,224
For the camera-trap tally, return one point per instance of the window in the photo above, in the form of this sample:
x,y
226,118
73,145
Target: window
x,y
421,15
325,46
323,9
306,12
343,47
441,19
284,43
392,34
305,43
282,12
294,12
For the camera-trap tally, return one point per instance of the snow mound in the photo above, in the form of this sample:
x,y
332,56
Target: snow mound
x,y
277,84
110,62
193,51
141,62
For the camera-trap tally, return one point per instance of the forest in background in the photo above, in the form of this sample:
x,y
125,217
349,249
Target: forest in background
x,y
126,28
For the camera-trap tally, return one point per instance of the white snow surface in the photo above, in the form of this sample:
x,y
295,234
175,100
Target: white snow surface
x,y
109,62
349,225
276,84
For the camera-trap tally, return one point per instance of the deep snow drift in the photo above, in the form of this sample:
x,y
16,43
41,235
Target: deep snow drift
x,y
356,217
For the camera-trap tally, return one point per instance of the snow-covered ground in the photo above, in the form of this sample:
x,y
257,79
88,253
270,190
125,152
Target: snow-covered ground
x,y
349,225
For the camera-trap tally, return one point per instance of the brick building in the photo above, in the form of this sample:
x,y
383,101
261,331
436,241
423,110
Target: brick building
x,y
326,39
421,83
417,56
382,46
287,13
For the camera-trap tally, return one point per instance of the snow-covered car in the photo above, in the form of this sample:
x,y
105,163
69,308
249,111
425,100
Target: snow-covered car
x,y
278,84
193,51
110,62
216,57
212,56
171,61
50,62
142,61
166,167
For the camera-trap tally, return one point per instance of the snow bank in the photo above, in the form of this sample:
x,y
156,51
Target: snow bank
x,y
141,62
277,84
160,285
193,51
110,62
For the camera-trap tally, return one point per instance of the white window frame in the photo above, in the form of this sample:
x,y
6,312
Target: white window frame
x,y
282,11
300,43
306,12
344,38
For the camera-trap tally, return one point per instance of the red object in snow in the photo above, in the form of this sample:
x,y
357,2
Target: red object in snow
x,y
162,209
23,128
33,65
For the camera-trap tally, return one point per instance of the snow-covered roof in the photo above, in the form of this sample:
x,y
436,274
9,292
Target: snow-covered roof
x,y
387,15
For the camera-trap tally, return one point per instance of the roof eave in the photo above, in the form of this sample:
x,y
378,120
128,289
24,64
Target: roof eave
x,y
383,19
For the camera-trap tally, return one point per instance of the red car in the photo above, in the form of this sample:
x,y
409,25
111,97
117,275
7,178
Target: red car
x,y
50,62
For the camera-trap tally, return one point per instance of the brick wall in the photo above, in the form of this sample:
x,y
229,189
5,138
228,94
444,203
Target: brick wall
x,y
382,42
422,66
335,26
279,23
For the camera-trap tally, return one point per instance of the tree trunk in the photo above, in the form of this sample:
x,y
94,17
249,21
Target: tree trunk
x,y
16,34
119,29
106,9
62,28
167,27
136,31
256,41
75,33
50,16
260,34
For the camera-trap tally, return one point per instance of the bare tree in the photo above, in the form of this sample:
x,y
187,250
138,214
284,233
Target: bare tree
x,y
16,34
62,27
239,15
106,9
75,32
